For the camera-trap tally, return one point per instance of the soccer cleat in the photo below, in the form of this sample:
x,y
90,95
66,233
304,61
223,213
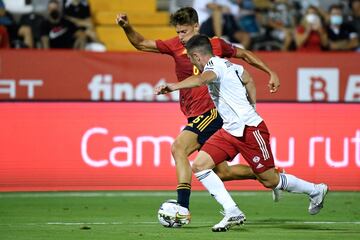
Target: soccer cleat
x,y
317,199
183,215
276,193
231,218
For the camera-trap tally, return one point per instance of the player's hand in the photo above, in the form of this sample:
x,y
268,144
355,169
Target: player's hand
x,y
274,82
162,89
122,20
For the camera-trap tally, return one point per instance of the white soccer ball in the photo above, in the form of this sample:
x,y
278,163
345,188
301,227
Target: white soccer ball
x,y
171,214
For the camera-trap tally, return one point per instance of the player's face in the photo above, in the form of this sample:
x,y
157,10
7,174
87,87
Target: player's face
x,y
185,32
195,60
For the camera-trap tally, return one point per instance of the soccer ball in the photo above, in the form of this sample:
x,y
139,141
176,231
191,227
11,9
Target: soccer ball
x,y
171,214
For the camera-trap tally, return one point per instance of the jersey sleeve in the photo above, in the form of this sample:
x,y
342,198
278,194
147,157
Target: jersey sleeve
x,y
164,46
214,66
228,50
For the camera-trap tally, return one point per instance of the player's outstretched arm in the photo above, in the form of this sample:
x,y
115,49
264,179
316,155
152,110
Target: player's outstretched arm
x,y
135,38
252,59
190,82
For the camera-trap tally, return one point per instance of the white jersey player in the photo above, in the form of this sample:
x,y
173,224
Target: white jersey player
x,y
230,96
244,131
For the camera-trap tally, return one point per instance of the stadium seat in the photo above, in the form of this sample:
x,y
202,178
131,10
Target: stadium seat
x,y
136,18
148,6
115,39
143,16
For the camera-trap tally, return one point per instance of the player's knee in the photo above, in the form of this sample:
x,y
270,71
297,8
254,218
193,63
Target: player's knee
x,y
269,184
197,167
176,147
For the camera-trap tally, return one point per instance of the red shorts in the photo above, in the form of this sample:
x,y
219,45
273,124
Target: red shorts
x,y
253,145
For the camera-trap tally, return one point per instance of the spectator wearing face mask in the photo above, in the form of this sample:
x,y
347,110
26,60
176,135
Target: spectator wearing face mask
x,y
311,34
342,35
281,23
58,32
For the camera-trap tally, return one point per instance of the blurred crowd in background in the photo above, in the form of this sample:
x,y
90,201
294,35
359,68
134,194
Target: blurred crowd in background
x,y
44,24
267,25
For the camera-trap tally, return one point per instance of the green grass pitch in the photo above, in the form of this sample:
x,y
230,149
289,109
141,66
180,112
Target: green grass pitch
x,y
133,215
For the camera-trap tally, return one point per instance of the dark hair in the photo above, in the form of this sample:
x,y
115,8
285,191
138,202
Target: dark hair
x,y
336,6
351,2
54,1
201,43
184,16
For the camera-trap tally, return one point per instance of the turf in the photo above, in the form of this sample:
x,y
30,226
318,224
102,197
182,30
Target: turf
x,y
132,215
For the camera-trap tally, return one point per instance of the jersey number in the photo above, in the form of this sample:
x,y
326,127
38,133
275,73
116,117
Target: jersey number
x,y
196,70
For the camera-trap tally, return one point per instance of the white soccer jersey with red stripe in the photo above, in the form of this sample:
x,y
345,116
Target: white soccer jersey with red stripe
x,y
230,97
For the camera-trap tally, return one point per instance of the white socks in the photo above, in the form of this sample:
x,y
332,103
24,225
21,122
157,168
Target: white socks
x,y
290,183
216,188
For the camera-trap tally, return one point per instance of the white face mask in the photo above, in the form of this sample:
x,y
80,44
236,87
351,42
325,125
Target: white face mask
x,y
336,20
312,18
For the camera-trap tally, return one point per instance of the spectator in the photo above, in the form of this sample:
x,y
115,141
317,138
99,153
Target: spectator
x,y
9,27
78,12
216,18
58,32
355,17
311,34
342,35
4,38
30,29
246,17
281,23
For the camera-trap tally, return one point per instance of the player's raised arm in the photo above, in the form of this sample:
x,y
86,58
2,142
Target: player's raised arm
x,y
135,38
252,59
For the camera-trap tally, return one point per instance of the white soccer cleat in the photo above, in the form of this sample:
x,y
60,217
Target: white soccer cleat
x,y
317,199
231,218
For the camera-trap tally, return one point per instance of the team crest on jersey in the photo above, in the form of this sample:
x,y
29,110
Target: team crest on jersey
x,y
256,159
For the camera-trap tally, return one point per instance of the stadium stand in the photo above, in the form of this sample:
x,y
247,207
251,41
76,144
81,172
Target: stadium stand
x,y
144,17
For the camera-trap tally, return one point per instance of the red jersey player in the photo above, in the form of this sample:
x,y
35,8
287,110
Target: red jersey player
x,y
196,104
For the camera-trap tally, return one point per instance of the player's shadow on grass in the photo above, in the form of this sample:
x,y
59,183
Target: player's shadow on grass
x,y
283,224
197,226
208,227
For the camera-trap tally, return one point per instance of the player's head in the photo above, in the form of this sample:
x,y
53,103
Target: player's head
x,y
199,50
186,23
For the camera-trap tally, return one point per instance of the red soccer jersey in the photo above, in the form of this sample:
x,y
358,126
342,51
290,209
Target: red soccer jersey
x,y
193,101
312,44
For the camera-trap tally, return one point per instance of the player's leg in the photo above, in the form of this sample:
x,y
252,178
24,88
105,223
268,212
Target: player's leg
x,y
184,144
243,172
205,126
290,183
234,172
257,152
215,151
196,132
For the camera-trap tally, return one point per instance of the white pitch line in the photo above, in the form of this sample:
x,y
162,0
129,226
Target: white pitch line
x,y
198,223
83,223
248,222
